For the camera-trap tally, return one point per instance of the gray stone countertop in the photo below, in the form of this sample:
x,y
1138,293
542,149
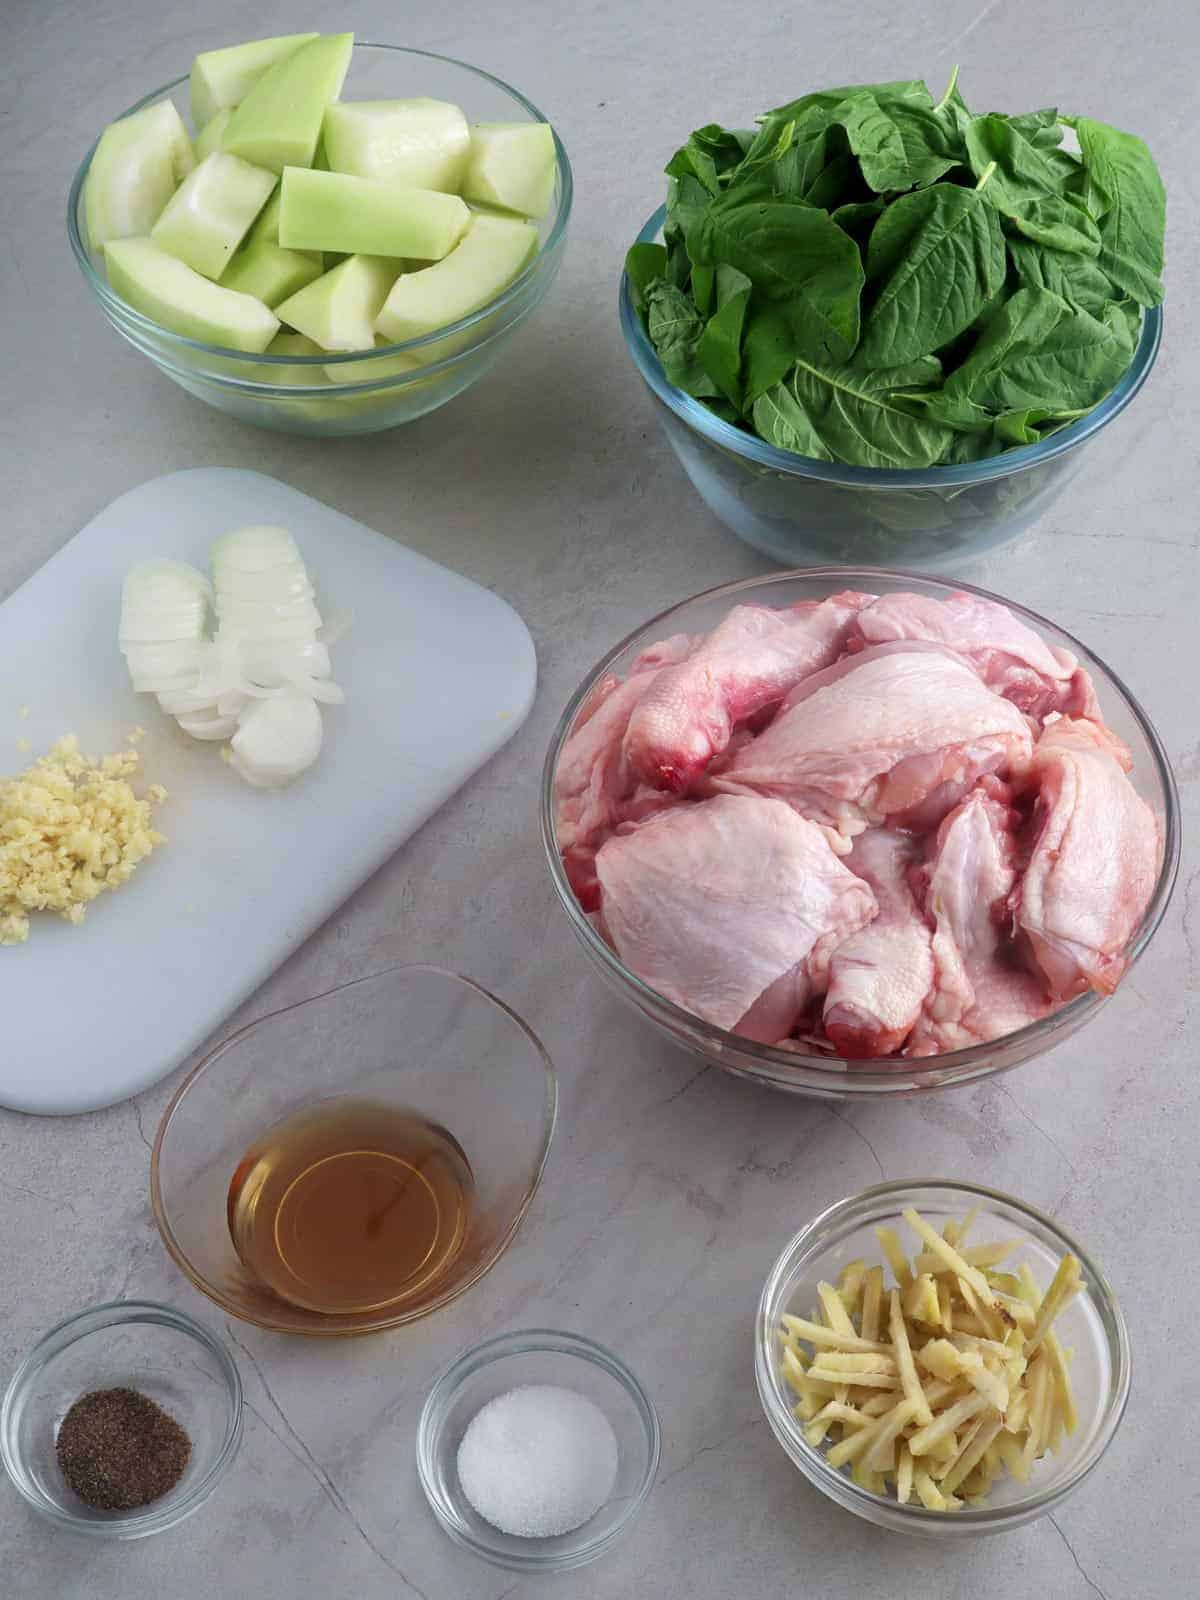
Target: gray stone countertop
x,y
669,1190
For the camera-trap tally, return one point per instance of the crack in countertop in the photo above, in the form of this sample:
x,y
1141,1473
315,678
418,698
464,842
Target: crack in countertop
x,y
841,1117
314,1468
1091,1582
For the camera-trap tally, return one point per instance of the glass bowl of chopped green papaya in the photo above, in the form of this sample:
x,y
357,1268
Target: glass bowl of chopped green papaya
x,y
320,236
881,328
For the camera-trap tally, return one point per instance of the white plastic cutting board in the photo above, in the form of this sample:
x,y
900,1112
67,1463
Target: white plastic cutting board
x,y
438,675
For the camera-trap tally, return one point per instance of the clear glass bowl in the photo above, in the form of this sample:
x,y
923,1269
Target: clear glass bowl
x,y
828,1075
338,395
795,509
132,1344
416,1038
1092,1325
566,1360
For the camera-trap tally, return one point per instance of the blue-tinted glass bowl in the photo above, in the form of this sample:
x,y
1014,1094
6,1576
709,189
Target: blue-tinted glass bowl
x,y
798,510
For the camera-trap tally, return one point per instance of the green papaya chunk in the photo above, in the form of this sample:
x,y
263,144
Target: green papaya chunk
x,y
491,255
167,290
511,165
210,213
210,135
269,272
134,171
338,309
421,143
333,211
279,122
221,79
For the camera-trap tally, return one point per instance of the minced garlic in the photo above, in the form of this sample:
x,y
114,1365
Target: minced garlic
x,y
69,829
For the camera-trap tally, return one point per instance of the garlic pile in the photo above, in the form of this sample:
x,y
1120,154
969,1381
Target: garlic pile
x,y
257,679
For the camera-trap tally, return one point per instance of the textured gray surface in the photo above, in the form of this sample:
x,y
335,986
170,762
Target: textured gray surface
x,y
668,1193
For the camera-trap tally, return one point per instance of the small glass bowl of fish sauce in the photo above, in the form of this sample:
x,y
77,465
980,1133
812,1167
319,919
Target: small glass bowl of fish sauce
x,y
357,1160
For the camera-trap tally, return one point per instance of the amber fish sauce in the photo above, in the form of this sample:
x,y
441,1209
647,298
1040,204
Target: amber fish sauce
x,y
350,1206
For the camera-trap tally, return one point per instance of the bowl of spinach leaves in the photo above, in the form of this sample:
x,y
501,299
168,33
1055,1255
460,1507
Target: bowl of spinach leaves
x,y
880,327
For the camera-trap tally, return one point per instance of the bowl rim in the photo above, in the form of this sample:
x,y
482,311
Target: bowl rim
x,y
181,343
400,1318
831,1074
526,1341
747,445
812,1463
96,1319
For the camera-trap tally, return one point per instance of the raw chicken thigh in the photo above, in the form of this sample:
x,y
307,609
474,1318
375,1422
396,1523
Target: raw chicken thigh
x,y
1010,658
594,789
746,664
730,908
1095,861
878,827
879,977
979,992
897,732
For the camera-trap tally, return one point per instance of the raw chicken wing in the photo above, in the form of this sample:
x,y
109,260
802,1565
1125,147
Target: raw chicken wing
x,y
731,908
880,976
900,731
1094,864
748,663
1010,658
979,991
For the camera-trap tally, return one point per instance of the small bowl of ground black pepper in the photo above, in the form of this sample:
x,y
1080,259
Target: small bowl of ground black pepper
x,y
121,1420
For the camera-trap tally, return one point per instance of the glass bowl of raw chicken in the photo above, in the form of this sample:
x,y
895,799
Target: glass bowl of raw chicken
x,y
847,830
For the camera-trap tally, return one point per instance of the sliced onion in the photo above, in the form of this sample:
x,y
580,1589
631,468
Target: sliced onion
x,y
208,727
277,740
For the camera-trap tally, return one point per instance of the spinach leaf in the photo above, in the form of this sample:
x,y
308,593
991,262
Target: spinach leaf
x,y
900,142
1058,224
675,327
797,260
936,257
858,218
768,350
1017,170
687,206
1040,128
1032,425
1039,351
855,413
644,265
781,420
829,99
1077,278
709,153
1131,229
719,348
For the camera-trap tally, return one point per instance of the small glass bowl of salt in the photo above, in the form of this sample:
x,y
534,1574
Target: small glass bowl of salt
x,y
537,1450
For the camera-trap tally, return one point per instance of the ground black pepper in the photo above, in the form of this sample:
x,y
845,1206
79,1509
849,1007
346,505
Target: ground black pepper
x,y
119,1450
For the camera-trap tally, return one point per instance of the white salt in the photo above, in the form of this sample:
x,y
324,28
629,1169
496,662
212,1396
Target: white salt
x,y
538,1461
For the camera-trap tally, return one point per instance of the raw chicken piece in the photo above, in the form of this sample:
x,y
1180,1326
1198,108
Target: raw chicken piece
x,y
979,991
900,731
1094,863
1010,658
593,787
731,908
747,663
880,976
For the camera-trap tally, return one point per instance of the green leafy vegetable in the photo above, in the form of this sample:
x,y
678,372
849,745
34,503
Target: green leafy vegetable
x,y
797,260
719,348
879,279
1131,229
936,259
1038,351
